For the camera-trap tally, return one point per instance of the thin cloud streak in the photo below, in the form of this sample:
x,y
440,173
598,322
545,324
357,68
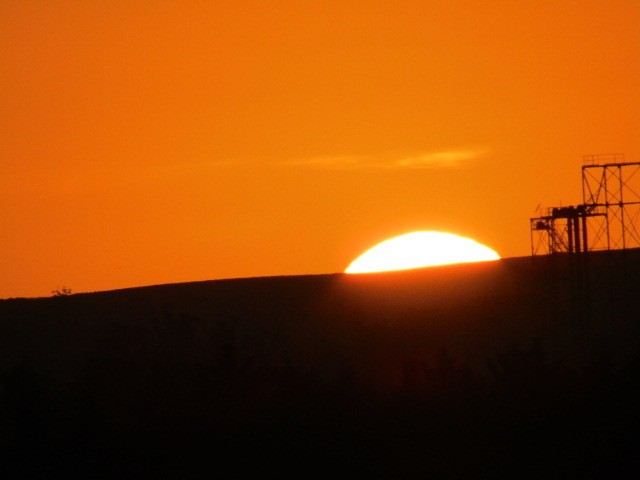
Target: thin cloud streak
x,y
442,159
428,160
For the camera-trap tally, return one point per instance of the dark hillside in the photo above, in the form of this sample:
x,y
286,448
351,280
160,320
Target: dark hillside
x,y
526,366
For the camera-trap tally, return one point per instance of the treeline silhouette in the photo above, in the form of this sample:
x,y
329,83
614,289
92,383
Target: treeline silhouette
x,y
305,379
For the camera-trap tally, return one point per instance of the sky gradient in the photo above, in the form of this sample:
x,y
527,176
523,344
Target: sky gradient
x,y
167,141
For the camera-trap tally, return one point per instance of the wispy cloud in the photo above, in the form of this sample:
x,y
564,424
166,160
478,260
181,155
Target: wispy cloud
x,y
441,159
454,158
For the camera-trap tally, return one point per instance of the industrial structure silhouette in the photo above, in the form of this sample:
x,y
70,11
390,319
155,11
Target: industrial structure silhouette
x,y
607,218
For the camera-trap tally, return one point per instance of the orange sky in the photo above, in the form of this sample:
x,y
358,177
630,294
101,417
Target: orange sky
x,y
166,141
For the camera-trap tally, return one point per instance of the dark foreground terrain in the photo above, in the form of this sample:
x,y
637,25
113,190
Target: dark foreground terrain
x,y
520,368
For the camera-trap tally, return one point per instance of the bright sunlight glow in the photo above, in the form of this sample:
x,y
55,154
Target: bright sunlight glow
x,y
421,249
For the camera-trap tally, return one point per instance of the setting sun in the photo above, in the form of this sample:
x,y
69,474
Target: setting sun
x,y
421,249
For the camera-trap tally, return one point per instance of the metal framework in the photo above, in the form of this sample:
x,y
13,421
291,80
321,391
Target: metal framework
x,y
563,230
612,186
608,217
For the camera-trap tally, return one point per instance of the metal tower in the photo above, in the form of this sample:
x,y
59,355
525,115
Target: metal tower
x,y
612,186
608,217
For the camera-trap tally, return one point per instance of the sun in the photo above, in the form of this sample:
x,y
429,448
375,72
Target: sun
x,y
421,249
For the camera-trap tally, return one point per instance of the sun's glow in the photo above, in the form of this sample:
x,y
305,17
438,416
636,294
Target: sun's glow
x,y
421,249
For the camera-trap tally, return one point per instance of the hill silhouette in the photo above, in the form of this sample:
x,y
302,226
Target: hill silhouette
x,y
521,366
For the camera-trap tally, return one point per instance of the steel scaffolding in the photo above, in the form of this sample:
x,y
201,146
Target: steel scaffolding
x,y
608,217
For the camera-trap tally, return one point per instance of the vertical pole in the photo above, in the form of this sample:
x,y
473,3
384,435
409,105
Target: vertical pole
x,y
531,235
576,232
585,244
606,204
570,233
584,200
624,243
